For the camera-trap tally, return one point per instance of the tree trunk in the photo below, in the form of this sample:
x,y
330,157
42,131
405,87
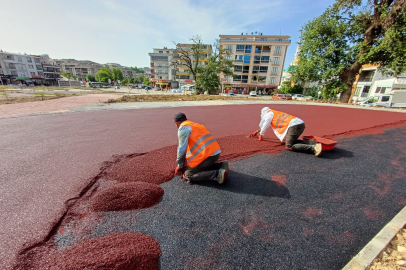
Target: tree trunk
x,y
348,77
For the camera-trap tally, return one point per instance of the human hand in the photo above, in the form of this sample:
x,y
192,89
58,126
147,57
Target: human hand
x,y
178,170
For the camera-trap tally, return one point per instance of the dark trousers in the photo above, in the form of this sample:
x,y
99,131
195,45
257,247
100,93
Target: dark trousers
x,y
207,170
292,141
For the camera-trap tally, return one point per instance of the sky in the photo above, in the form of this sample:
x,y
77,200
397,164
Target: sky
x,y
125,31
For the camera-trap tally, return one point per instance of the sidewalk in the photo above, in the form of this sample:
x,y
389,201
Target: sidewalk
x,y
54,105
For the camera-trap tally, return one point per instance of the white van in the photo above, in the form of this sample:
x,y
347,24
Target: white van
x,y
393,99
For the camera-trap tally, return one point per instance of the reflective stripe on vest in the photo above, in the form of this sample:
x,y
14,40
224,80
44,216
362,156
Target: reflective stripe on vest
x,y
201,144
280,121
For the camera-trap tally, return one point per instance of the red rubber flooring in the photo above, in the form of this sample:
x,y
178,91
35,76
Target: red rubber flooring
x,y
49,160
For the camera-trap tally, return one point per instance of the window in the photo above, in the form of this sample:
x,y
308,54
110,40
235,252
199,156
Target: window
x,y
237,68
275,60
263,39
357,90
37,61
261,78
264,59
244,79
263,69
237,78
257,59
243,39
167,51
274,71
229,48
254,78
385,98
278,50
229,57
29,60
246,69
258,49
272,80
227,39
247,58
238,58
19,59
255,69
365,91
32,73
248,48
240,48
161,51
30,66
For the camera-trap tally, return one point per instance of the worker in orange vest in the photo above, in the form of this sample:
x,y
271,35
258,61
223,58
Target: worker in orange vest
x,y
289,126
198,153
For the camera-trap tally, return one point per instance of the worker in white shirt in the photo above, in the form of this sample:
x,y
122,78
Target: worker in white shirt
x,y
286,125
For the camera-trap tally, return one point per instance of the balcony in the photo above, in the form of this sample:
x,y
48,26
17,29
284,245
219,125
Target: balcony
x,y
365,79
8,58
11,68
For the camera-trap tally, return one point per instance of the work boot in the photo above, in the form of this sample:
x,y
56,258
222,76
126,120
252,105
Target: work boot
x,y
317,149
223,172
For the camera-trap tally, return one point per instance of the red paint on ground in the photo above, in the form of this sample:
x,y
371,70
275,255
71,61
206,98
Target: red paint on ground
x,y
126,196
382,186
372,212
341,239
279,179
308,232
132,251
402,201
83,215
312,212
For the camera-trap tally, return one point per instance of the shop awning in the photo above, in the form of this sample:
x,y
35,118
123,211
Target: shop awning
x,y
20,79
162,83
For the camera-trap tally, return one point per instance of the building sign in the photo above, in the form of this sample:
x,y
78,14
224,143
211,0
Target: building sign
x,y
152,80
223,79
36,77
188,80
163,81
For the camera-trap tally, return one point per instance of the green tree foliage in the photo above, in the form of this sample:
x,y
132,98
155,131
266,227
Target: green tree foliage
x,y
137,70
335,45
117,74
132,80
146,81
287,88
140,79
66,75
208,79
90,78
105,74
124,81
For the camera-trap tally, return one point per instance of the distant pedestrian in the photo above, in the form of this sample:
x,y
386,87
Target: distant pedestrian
x,y
21,86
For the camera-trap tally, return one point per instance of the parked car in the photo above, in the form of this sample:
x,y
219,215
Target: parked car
x,y
147,88
253,93
282,97
231,93
393,99
298,96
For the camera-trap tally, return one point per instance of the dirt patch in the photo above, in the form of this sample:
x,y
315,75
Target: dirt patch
x,y
13,100
394,256
152,98
126,196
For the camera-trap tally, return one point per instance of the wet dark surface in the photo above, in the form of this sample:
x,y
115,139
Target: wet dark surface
x,y
278,211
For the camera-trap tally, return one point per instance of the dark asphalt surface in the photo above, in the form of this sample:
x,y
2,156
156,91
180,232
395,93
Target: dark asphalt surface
x,y
287,211
47,160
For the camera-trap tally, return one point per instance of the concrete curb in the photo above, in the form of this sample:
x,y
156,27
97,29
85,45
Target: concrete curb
x,y
365,257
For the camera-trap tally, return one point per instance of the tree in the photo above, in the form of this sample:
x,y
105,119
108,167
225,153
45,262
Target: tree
x,y
208,79
349,34
189,55
132,80
287,88
117,74
124,81
90,78
105,74
66,75
146,81
137,70
140,79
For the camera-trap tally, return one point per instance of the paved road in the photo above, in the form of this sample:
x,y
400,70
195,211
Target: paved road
x,y
49,159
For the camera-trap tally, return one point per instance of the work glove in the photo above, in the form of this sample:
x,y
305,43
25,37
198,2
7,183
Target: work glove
x,y
253,134
260,138
178,170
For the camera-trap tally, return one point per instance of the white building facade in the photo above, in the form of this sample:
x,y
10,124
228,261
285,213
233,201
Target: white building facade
x,y
258,60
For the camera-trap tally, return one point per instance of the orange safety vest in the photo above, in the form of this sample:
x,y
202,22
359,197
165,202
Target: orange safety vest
x,y
280,121
201,144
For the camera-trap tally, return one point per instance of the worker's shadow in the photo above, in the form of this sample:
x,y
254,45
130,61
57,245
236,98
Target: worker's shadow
x,y
247,184
337,153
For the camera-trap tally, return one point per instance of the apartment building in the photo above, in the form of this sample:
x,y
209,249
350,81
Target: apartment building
x,y
127,72
78,68
15,68
162,73
258,60
371,82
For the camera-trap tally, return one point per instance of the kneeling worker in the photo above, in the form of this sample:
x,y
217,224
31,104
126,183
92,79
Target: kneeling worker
x,y
202,153
284,124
